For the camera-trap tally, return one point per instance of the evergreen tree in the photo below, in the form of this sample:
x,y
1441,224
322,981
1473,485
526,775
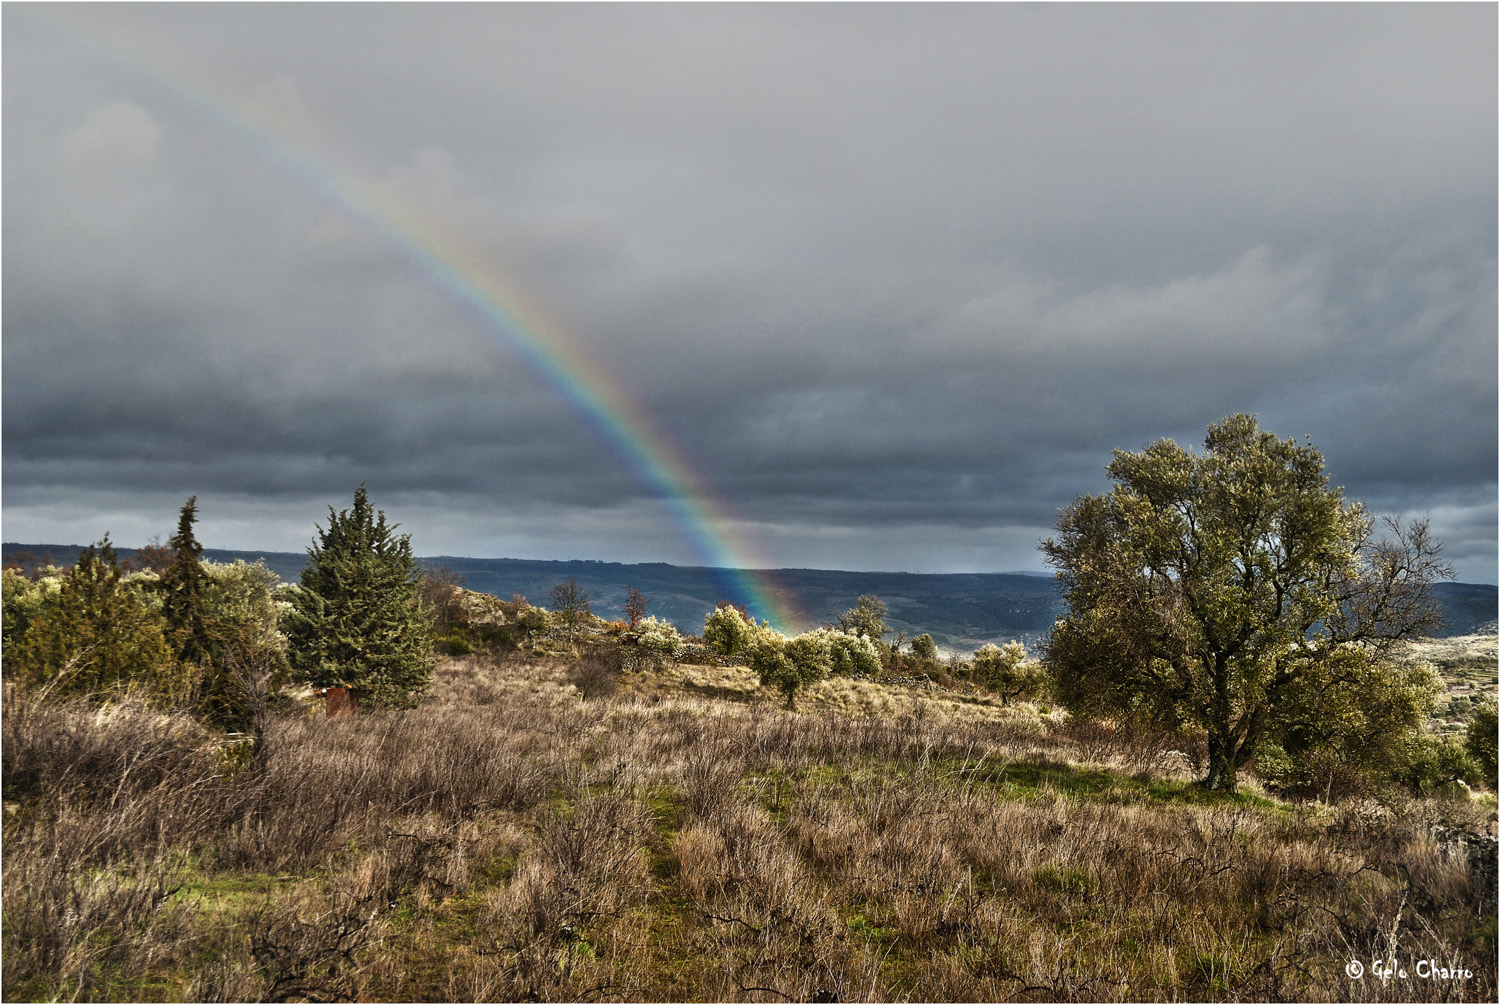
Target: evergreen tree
x,y
182,586
354,622
99,637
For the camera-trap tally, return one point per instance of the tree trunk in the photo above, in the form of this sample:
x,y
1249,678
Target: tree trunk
x,y
1222,771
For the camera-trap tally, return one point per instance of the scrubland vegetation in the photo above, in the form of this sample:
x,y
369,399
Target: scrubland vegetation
x,y
565,807
681,839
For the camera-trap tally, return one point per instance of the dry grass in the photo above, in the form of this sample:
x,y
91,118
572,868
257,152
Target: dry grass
x,y
681,837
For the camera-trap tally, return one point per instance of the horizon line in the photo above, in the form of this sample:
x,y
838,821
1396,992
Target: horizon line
x,y
599,561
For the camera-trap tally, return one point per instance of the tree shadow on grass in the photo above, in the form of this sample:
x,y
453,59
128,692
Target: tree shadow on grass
x,y
719,692
1039,776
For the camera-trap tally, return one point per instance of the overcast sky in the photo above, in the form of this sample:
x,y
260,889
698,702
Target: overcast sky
x,y
896,279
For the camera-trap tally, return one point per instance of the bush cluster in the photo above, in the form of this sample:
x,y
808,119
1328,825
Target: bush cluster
x,y
94,631
216,639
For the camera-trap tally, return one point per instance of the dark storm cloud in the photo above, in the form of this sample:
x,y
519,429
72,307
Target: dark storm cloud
x,y
896,278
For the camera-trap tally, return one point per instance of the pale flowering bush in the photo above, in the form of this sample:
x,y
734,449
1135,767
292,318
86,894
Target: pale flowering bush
x,y
729,632
659,637
25,598
849,654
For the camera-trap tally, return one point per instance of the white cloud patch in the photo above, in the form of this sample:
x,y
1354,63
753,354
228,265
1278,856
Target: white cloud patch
x,y
1256,306
117,139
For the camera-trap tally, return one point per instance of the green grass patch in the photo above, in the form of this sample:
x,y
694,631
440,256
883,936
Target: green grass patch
x,y
1193,794
863,928
1068,881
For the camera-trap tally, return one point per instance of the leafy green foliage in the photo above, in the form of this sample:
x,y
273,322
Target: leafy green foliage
x,y
851,654
531,620
23,601
1235,593
1480,739
866,617
98,636
729,631
1006,671
353,620
247,651
924,648
1433,764
789,664
660,638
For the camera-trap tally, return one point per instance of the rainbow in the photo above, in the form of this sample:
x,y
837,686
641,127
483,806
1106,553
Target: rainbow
x,y
450,264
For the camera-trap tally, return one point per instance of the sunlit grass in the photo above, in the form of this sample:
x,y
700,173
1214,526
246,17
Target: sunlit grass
x,y
688,839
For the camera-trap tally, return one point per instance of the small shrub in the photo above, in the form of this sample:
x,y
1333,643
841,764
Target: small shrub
x,y
532,621
923,648
454,644
659,637
498,637
1006,671
850,654
597,673
729,631
1480,739
1434,764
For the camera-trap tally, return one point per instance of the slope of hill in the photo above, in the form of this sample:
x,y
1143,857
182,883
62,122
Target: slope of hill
x,y
960,610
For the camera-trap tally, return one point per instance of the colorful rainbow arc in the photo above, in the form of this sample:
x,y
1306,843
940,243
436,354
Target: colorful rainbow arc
x,y
464,274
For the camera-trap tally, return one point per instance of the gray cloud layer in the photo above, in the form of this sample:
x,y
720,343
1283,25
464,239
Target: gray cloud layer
x,y
896,278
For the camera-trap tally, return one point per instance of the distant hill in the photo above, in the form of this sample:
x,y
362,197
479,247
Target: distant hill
x,y
960,610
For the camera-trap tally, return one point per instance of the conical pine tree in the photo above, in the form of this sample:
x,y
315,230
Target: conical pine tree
x,y
353,622
182,591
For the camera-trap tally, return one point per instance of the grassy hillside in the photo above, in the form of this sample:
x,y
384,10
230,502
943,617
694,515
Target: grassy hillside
x,y
684,838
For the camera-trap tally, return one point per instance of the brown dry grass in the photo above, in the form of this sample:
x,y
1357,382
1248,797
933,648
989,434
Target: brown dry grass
x,y
683,838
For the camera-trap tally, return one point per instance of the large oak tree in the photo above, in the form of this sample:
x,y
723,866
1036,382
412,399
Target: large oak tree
x,y
1237,594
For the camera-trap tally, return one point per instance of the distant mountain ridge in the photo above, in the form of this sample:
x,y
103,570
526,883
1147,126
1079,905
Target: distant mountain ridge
x,y
961,611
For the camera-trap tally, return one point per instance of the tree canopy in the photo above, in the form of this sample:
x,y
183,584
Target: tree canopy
x,y
866,617
790,664
1236,593
354,621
